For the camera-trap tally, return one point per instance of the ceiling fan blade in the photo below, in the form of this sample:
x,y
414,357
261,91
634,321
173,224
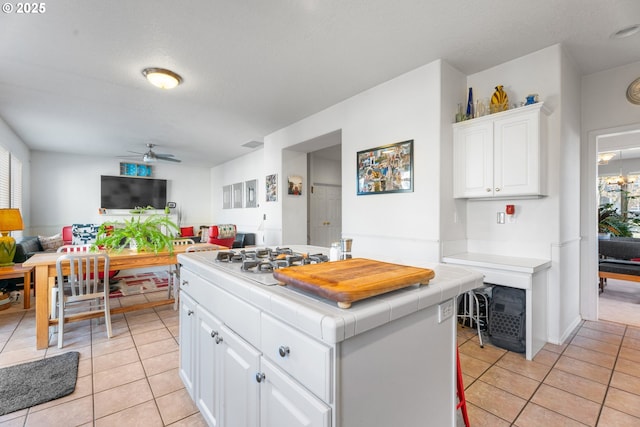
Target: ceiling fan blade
x,y
168,158
163,155
134,152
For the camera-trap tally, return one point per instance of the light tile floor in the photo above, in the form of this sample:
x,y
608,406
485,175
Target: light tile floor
x,y
591,380
132,379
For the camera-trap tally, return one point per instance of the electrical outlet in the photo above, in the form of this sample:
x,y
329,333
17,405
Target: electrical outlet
x,y
445,310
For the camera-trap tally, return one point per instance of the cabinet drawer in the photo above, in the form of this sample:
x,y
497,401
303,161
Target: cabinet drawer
x,y
241,317
302,357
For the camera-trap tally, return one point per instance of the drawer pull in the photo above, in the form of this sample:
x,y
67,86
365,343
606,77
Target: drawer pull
x,y
189,312
260,377
214,334
185,282
218,339
283,351
497,189
488,190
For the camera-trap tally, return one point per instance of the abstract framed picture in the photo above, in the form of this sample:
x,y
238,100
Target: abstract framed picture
x,y
250,194
385,169
226,197
271,188
237,195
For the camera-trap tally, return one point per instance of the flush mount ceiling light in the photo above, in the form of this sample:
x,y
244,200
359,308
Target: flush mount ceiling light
x,y
603,158
626,32
162,78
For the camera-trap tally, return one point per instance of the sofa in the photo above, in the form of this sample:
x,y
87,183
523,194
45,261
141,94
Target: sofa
x,y
619,259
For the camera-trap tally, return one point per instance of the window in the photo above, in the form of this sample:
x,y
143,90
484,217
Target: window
x,y
10,183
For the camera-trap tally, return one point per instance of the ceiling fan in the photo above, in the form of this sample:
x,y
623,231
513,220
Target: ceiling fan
x,y
151,156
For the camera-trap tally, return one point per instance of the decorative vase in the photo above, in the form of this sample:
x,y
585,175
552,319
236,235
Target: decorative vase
x,y
499,100
470,104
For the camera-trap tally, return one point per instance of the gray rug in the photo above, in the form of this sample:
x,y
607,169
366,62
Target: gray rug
x,y
29,384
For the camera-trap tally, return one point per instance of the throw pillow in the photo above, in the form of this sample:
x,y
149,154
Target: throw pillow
x,y
84,234
186,231
51,243
226,231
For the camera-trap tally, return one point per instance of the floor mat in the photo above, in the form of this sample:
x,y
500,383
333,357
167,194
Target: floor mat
x,y
32,383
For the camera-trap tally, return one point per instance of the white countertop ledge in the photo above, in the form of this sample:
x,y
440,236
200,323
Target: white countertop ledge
x,y
499,262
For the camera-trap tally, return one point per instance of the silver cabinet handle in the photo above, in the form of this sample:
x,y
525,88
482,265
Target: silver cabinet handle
x,y
488,190
189,313
284,351
497,189
260,377
185,283
218,339
214,334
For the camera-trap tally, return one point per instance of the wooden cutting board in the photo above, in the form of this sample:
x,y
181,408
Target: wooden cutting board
x,y
353,279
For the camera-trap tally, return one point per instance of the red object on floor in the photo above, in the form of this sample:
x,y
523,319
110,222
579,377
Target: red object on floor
x,y
462,402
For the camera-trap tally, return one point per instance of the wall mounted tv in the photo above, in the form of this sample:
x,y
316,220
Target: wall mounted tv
x,y
121,192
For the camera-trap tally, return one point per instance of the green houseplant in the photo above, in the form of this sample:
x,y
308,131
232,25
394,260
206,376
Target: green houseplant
x,y
612,222
152,233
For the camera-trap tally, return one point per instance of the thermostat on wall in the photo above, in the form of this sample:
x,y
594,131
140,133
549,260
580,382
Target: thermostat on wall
x,y
171,204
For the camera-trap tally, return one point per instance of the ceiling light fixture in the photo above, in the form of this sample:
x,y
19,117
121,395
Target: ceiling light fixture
x,y
626,32
603,158
162,78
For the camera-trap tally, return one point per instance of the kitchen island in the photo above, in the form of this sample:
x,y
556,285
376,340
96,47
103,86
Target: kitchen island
x,y
258,355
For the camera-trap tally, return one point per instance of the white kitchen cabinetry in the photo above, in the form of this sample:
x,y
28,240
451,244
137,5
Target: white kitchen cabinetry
x,y
228,378
500,155
187,342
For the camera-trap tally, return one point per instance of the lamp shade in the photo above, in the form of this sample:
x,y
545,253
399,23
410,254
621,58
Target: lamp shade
x,y
10,220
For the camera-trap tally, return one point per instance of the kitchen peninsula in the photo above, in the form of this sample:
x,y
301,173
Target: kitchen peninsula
x,y
258,355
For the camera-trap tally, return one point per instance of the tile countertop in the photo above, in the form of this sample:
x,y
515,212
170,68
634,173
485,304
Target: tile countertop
x,y
499,262
322,318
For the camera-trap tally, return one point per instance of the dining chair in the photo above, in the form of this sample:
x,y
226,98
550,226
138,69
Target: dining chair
x,y
202,247
80,289
53,290
174,270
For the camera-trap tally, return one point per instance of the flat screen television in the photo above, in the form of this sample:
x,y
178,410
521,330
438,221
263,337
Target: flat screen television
x,y
122,192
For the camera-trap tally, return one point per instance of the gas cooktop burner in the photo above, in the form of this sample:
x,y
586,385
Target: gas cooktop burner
x,y
259,263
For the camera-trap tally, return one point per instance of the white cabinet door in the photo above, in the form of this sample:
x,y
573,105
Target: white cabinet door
x,y
473,160
284,403
499,155
240,363
187,343
207,366
517,155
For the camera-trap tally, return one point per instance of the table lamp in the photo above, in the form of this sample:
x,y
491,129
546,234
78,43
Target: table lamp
x,y
10,220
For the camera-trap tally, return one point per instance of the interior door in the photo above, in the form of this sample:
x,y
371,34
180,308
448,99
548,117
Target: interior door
x,y
325,218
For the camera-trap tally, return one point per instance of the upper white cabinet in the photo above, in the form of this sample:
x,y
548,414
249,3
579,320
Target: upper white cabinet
x,y
500,155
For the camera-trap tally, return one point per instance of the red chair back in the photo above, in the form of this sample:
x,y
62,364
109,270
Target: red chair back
x,y
222,235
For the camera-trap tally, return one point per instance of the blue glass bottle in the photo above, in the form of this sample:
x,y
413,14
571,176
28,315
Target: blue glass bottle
x,y
470,104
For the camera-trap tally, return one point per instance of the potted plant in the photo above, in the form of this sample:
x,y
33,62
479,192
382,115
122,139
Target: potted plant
x,y
153,232
612,222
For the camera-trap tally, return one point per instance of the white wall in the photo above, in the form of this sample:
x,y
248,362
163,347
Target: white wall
x,y
248,167
604,109
68,190
401,227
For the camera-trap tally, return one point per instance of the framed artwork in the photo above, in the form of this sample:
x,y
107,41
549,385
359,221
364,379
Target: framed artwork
x,y
237,195
271,188
226,197
250,194
295,185
135,169
386,169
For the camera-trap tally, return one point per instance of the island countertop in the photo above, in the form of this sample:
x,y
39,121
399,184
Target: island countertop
x,y
321,318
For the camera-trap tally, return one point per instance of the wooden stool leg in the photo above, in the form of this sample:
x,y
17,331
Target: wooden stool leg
x,y
462,401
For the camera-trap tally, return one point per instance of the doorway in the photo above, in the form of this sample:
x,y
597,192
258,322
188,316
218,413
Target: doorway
x,y
615,153
325,196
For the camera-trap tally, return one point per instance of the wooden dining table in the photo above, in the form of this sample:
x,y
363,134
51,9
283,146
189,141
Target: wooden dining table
x,y
44,265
